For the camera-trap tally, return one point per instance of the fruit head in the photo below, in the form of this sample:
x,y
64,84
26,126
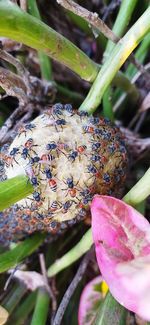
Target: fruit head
x,y
68,157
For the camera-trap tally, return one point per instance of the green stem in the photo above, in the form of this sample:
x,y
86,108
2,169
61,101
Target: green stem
x,y
139,191
107,104
73,255
122,21
13,190
123,17
45,65
22,27
116,59
42,307
136,195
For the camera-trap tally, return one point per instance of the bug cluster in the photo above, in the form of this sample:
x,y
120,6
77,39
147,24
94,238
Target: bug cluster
x,y
68,157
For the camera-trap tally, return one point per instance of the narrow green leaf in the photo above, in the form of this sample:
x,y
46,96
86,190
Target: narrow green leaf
x,y
111,312
41,309
15,256
13,190
22,312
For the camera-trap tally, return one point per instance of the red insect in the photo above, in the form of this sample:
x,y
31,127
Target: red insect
x,y
29,143
46,159
8,160
53,185
72,192
88,129
81,149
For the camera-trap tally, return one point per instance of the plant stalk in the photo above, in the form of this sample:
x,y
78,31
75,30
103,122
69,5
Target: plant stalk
x,y
122,20
118,56
41,308
22,27
45,64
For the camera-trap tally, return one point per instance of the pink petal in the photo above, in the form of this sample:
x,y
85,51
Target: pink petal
x,y
88,299
122,239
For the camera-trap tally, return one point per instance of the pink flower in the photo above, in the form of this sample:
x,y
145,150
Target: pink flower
x,y
122,240
90,300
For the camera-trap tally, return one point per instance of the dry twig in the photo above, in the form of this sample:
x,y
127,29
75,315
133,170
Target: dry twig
x,y
20,68
136,145
68,294
91,17
10,122
44,273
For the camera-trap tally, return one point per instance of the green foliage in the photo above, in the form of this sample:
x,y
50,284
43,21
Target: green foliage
x,y
16,255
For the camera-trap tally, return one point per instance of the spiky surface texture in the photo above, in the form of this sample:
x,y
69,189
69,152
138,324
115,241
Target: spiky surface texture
x,y
68,157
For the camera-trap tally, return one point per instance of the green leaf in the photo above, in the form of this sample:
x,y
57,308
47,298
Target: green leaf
x,y
22,27
13,190
111,312
42,308
15,256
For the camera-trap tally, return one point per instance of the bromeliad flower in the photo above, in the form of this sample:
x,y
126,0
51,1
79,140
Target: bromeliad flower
x,y
122,240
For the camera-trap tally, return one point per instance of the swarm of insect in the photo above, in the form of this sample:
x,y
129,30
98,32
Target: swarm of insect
x,y
68,157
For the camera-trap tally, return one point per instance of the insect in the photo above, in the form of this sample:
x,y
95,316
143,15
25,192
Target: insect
x,y
68,108
27,147
46,159
88,129
7,160
56,146
34,160
71,190
53,185
105,135
53,226
94,120
25,128
96,146
111,148
95,158
34,181
73,155
77,152
57,109
86,196
51,146
93,170
48,173
106,178
81,149
67,205
60,122
82,114
54,206
36,196
13,153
